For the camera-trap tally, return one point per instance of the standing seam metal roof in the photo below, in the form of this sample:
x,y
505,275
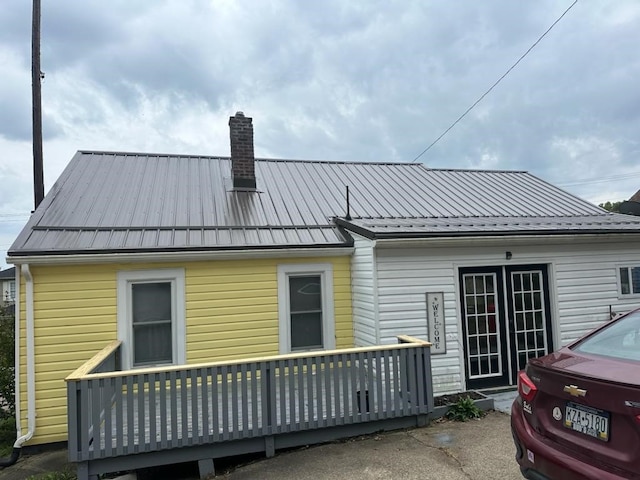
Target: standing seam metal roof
x,y
107,201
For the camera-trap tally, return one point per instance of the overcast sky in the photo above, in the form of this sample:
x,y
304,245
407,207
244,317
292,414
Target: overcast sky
x,y
375,80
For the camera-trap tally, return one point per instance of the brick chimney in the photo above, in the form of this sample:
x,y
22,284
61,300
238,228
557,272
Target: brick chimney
x,y
242,159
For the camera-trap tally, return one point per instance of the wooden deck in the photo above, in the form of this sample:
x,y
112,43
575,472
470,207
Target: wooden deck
x,y
304,403
155,416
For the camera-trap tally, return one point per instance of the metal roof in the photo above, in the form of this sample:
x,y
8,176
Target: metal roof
x,y
9,273
114,202
409,227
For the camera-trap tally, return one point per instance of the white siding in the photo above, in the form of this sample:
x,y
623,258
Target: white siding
x,y
582,279
364,294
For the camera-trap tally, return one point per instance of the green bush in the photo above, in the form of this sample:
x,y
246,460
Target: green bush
x,y
463,410
7,362
7,383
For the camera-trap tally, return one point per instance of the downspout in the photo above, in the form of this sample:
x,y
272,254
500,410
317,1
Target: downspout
x,y
31,384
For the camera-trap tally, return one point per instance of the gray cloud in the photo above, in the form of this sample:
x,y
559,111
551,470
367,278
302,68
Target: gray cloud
x,y
358,80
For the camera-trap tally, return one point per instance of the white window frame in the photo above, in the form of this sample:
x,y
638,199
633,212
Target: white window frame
x,y
629,267
325,271
125,324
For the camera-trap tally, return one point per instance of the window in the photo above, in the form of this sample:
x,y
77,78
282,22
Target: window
x,y
619,339
12,290
151,317
629,280
305,305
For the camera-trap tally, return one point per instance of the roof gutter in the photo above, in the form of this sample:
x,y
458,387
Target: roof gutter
x,y
177,256
501,240
31,383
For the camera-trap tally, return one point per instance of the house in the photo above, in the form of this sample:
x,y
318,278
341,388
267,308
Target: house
x,y
8,279
631,206
190,259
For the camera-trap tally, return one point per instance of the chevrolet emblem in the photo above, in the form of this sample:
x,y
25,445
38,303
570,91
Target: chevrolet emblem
x,y
575,391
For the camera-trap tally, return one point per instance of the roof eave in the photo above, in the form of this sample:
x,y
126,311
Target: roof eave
x,y
467,234
178,254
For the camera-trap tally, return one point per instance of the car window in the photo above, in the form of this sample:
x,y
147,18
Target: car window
x,y
621,339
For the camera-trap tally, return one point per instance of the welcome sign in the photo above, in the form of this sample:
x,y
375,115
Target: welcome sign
x,y
435,322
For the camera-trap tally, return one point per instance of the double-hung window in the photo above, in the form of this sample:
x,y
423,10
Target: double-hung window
x,y
629,280
305,304
151,317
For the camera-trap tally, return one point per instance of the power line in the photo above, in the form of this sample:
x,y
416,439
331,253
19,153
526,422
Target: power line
x,y
600,180
496,83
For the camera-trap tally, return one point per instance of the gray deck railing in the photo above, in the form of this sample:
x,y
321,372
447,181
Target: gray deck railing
x,y
114,413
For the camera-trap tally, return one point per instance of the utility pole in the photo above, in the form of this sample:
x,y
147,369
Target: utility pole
x,y
36,77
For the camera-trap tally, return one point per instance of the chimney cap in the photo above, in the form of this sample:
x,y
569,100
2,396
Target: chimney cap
x,y
239,114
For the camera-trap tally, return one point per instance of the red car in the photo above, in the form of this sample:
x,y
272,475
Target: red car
x,y
577,414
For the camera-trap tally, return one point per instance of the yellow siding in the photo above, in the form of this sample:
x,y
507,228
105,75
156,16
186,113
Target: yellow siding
x,y
231,312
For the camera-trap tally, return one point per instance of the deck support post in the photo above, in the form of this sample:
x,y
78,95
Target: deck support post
x,y
206,467
422,420
83,472
269,446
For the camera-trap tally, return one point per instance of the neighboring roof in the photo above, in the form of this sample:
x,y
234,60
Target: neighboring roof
x,y
9,273
635,197
126,202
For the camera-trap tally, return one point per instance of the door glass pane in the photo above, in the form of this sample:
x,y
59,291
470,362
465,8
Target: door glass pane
x,y
484,345
489,284
474,367
468,284
152,323
518,301
528,301
472,326
536,282
305,307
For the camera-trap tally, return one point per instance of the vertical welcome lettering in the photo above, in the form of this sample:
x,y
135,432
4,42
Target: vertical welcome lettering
x,y
435,322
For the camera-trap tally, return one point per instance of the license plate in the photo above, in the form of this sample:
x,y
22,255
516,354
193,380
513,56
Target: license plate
x,y
589,421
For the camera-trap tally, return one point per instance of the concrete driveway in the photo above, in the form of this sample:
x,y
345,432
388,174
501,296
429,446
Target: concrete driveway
x,y
477,449
474,450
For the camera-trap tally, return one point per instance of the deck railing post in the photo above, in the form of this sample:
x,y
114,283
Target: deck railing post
x,y
73,419
268,384
268,406
428,378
